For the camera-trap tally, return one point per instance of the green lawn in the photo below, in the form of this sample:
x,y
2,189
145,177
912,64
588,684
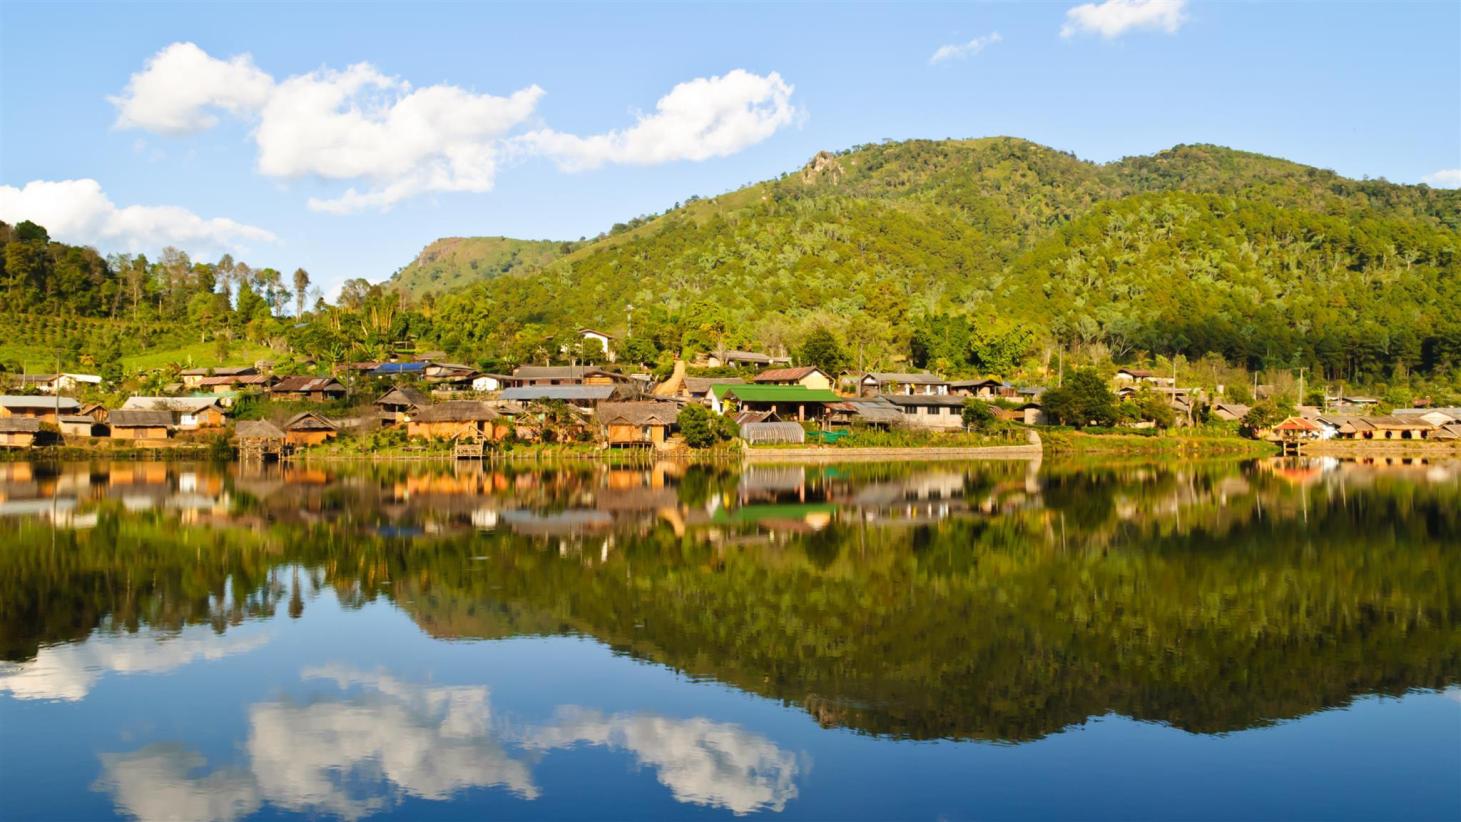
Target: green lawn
x,y
198,355
37,359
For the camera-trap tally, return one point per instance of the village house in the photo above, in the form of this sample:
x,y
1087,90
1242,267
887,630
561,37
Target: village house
x,y
258,439
1229,411
450,376
192,378
1435,416
189,413
787,402
871,412
933,411
605,341
907,384
55,383
742,359
135,424
81,425
447,420
1298,428
314,389
637,423
584,397
1340,403
488,382
20,432
1391,427
224,384
45,409
773,433
396,404
309,428
985,389
698,388
1140,376
415,368
546,375
806,376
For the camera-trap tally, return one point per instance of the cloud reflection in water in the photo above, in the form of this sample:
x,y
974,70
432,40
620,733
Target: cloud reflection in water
x,y
381,740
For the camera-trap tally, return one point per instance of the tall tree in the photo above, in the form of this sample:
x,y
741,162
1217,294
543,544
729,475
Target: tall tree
x,y
301,290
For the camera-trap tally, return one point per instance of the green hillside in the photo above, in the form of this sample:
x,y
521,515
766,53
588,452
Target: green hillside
x,y
454,262
986,254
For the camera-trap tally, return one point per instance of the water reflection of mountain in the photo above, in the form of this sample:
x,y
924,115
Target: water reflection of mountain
x,y
965,601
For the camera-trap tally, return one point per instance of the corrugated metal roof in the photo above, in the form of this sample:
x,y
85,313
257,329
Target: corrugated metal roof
x,y
45,403
914,400
923,378
308,385
701,385
773,433
786,374
567,393
21,425
775,393
183,405
399,368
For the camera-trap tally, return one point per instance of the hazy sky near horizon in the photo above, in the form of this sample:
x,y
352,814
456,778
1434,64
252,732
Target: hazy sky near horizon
x,y
343,137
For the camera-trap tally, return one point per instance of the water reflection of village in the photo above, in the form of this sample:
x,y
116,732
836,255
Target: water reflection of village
x,y
717,503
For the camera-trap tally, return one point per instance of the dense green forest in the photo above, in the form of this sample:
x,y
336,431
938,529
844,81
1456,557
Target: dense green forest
x,y
137,321
454,262
1013,251
991,256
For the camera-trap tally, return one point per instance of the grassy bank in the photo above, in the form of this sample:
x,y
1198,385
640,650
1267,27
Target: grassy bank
x,y
1194,442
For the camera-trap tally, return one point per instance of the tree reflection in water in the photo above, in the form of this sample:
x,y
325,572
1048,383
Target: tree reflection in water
x,y
993,601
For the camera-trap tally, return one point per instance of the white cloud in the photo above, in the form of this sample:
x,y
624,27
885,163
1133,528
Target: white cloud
x,y
702,762
78,211
178,89
396,142
1114,18
1445,178
69,672
958,51
699,119
359,124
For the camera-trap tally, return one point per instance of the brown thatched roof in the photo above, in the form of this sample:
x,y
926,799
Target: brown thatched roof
x,y
309,421
637,413
257,430
403,395
457,411
133,418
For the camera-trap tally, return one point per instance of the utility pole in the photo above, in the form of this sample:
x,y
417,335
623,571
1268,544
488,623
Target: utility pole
x,y
630,332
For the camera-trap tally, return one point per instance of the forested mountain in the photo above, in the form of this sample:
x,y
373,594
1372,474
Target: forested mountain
x,y
991,256
454,262
986,255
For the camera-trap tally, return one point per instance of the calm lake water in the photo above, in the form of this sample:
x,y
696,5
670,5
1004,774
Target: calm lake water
x,y
1107,640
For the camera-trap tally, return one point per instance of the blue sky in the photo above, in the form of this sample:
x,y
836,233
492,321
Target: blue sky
x,y
235,142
